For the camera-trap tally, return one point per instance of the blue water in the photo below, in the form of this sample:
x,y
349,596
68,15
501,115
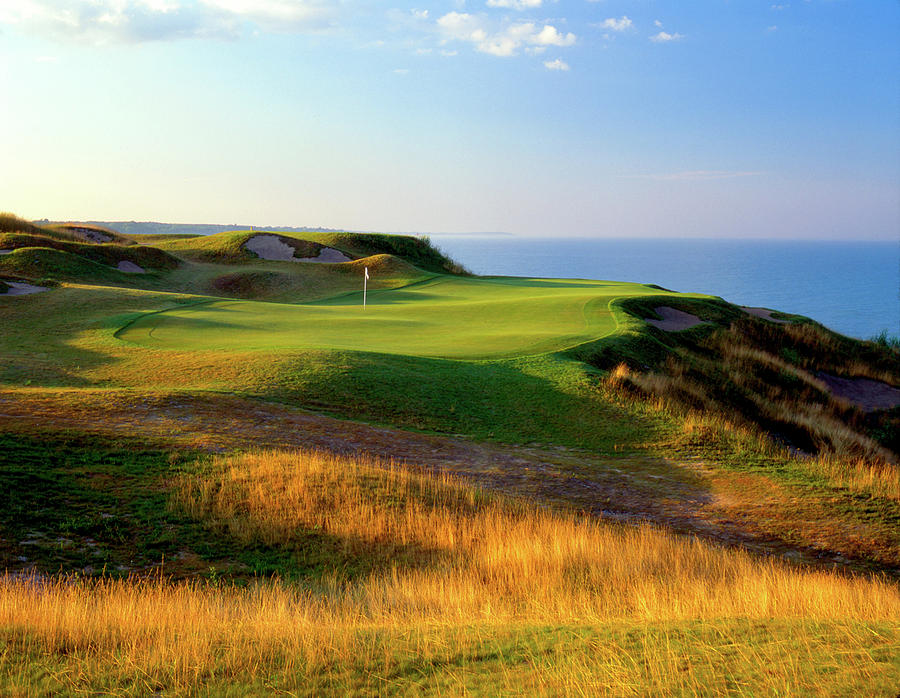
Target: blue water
x,y
851,287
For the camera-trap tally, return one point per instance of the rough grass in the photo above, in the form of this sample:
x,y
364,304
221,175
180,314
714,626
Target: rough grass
x,y
488,594
10,223
765,376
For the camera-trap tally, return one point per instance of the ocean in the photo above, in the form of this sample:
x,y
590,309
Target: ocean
x,y
851,287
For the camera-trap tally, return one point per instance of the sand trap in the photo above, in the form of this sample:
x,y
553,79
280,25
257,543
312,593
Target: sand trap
x,y
869,395
674,320
272,248
90,234
328,255
764,313
17,288
130,267
6,251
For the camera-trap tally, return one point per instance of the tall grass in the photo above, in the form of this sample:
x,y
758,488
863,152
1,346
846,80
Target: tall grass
x,y
450,570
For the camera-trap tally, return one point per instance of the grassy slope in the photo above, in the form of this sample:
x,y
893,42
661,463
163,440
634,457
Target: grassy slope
x,y
413,583
114,495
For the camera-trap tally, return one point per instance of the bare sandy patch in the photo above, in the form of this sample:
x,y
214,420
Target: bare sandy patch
x,y
764,313
271,247
6,251
90,234
867,394
17,288
328,255
130,267
674,320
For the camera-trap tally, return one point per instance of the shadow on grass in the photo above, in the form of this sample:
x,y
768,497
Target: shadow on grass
x,y
75,502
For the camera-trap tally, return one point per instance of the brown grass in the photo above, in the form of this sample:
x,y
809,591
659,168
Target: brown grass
x,y
472,567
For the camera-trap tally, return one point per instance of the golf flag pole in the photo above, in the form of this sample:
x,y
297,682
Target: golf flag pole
x,y
365,284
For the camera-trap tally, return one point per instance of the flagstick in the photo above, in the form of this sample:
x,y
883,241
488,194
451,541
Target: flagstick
x,y
365,284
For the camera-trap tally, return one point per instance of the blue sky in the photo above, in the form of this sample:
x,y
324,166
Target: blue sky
x,y
712,118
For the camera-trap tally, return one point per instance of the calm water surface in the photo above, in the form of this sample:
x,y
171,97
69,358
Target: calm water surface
x,y
852,287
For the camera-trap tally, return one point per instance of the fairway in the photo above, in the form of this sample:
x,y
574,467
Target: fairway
x,y
447,317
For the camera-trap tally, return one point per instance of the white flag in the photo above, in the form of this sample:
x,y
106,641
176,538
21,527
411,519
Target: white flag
x,y
367,272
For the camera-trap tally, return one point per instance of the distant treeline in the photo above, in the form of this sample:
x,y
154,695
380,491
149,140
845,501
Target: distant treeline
x,y
154,228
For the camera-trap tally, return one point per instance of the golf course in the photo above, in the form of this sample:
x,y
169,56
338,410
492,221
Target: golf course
x,y
339,463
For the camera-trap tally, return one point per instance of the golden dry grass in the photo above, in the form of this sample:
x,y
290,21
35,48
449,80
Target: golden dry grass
x,y
452,570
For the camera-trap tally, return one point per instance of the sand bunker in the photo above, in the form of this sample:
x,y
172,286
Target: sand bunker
x,y
869,395
674,320
6,251
90,234
328,255
271,247
764,313
17,288
130,267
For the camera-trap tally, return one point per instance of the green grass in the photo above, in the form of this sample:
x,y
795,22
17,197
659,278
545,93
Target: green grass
x,y
228,247
447,317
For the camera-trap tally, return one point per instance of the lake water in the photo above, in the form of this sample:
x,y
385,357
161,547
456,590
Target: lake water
x,y
852,287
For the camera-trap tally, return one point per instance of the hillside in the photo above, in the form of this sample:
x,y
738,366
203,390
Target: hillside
x,y
471,482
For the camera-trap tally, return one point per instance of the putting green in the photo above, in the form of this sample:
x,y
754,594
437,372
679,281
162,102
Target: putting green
x,y
446,316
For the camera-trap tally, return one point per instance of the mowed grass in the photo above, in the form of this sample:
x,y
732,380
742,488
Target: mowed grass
x,y
459,591
448,317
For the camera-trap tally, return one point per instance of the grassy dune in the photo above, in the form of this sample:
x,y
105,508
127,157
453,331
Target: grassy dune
x,y
452,590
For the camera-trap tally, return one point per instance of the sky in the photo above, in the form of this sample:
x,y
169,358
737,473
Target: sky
x,y
604,118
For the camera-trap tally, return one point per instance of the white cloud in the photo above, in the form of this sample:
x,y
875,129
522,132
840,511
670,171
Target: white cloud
x,y
107,21
515,4
664,37
616,25
773,28
556,64
420,14
507,41
400,71
657,24
449,53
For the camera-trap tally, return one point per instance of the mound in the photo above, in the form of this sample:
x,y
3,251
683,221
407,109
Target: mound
x,y
252,284
88,232
418,251
113,255
49,263
381,265
10,223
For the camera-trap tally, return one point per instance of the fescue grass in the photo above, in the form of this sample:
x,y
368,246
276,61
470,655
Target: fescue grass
x,y
765,376
489,594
